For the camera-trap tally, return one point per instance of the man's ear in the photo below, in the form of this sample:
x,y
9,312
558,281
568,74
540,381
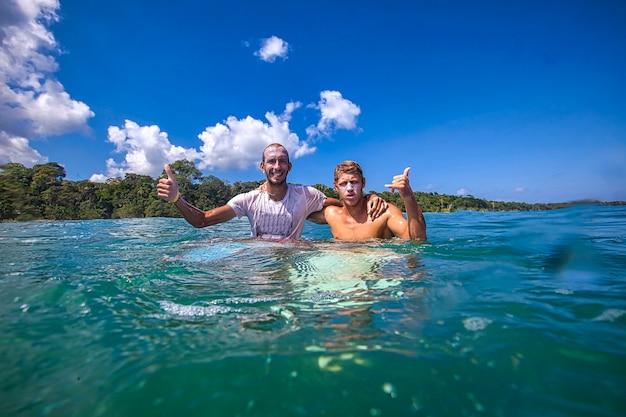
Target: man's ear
x,y
363,183
289,169
261,165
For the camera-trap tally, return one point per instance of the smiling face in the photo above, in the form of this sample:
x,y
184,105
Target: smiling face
x,y
275,164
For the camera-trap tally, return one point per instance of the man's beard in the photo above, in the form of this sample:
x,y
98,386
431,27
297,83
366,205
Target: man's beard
x,y
282,181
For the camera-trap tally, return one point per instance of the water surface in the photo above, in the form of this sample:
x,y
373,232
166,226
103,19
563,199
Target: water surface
x,y
498,314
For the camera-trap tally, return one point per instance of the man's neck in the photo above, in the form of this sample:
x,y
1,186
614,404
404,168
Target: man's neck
x,y
276,191
359,211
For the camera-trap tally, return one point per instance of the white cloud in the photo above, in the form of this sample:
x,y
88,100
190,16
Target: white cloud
x,y
337,113
520,189
17,149
462,192
238,143
272,48
234,144
32,101
147,149
98,178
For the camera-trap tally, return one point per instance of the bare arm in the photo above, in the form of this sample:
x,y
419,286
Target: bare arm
x,y
318,217
199,218
415,226
167,189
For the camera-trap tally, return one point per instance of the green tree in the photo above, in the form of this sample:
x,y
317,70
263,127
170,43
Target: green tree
x,y
15,182
133,195
187,176
160,208
212,193
46,175
42,192
328,191
239,187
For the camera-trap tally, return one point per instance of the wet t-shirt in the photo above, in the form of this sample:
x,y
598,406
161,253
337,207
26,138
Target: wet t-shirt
x,y
283,219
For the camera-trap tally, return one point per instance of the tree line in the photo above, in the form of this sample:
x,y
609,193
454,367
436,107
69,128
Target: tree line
x,y
42,193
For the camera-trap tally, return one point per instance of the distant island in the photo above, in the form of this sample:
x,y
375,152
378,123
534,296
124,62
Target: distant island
x,y
42,193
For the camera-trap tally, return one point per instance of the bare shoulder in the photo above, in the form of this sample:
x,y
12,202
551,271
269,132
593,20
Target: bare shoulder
x,y
393,210
333,210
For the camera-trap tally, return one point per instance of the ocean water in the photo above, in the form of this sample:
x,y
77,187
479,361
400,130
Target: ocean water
x,y
498,314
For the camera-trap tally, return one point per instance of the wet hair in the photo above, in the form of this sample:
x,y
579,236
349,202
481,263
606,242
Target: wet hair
x,y
348,167
271,145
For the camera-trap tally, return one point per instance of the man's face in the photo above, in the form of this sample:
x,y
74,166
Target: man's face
x,y
276,165
350,188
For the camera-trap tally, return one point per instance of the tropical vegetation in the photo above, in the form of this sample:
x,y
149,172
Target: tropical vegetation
x,y
43,193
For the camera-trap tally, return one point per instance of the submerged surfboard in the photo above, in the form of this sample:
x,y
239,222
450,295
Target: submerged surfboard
x,y
311,268
212,252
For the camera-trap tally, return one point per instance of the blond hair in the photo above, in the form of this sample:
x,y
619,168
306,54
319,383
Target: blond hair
x,y
348,167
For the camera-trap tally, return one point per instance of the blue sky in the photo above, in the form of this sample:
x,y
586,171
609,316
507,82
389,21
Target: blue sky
x,y
514,101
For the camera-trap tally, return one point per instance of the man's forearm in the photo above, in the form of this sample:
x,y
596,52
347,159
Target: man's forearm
x,y
191,213
417,223
318,217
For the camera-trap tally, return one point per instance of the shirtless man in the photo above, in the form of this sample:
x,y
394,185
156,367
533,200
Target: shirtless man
x,y
276,211
351,222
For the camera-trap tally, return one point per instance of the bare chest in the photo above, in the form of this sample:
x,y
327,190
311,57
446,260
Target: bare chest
x,y
346,228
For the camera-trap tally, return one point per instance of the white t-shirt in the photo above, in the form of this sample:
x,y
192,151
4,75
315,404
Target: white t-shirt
x,y
283,219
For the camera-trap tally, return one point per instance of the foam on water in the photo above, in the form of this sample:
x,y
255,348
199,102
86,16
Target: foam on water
x,y
195,310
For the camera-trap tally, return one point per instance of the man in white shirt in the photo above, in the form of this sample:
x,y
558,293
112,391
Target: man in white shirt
x,y
276,210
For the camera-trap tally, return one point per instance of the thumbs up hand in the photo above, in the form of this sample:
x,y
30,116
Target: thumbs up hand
x,y
167,188
401,183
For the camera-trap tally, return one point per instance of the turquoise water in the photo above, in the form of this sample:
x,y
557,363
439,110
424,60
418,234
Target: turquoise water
x,y
498,314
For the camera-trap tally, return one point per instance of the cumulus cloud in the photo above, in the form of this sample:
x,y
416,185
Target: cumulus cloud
x,y
336,113
520,189
32,102
238,143
146,150
272,48
17,149
234,144
462,192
